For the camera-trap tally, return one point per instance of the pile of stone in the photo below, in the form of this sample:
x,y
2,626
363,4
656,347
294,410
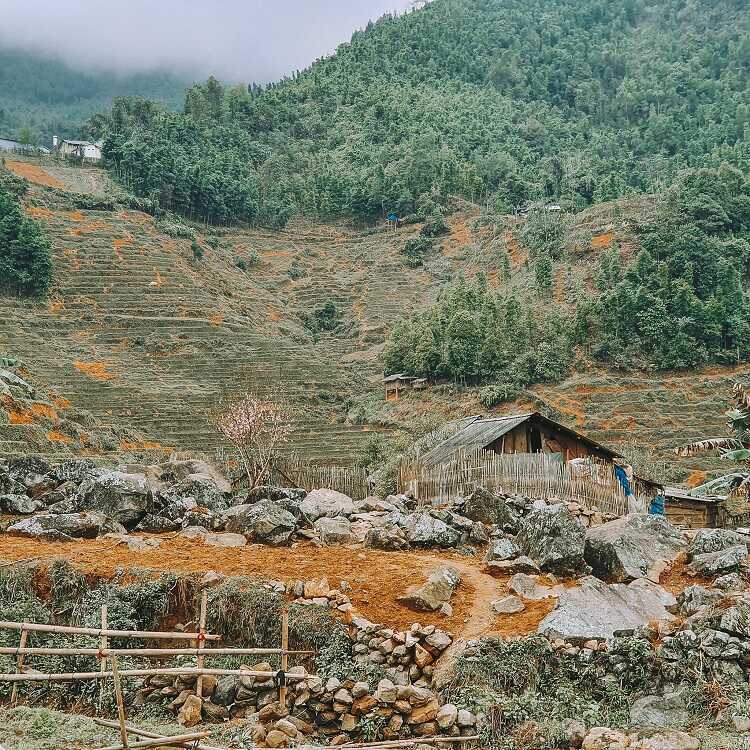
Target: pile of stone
x,y
407,655
336,711
78,500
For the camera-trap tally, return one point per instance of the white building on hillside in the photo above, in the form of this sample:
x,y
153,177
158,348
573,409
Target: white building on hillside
x,y
78,149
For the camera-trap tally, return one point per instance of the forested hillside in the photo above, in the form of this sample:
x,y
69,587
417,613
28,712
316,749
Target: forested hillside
x,y
40,96
499,101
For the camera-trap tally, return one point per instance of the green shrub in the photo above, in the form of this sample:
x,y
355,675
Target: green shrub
x,y
415,249
197,250
492,395
435,225
241,264
25,249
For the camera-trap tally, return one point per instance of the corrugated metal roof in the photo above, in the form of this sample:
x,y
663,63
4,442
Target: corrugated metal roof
x,y
479,432
476,434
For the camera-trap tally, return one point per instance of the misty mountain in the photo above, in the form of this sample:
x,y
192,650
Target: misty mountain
x,y
48,96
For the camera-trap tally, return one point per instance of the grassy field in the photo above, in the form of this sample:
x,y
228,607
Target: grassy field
x,y
145,338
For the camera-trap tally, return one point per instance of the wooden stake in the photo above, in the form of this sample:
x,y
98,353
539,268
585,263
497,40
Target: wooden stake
x,y
72,676
103,641
19,664
178,740
284,657
199,645
148,735
145,634
152,652
120,704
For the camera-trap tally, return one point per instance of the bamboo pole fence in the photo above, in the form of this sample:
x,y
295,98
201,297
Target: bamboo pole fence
x,y
97,632
29,676
592,485
137,732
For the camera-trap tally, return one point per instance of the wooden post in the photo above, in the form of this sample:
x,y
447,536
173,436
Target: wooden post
x,y
19,663
284,654
201,641
120,704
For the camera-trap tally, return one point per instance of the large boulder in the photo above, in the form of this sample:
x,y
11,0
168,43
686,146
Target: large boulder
x,y
328,503
553,537
202,489
714,540
595,609
389,537
122,497
20,505
436,592
632,547
660,711
487,507
67,526
424,530
264,522
502,549
334,530
727,560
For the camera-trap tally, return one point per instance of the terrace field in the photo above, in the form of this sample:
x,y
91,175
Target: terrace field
x,y
145,337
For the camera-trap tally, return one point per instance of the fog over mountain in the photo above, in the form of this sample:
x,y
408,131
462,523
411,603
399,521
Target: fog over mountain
x,y
237,40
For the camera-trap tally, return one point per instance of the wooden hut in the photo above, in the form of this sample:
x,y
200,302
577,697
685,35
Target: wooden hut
x,y
692,511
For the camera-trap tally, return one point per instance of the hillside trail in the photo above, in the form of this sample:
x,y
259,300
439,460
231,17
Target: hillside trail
x,y
479,619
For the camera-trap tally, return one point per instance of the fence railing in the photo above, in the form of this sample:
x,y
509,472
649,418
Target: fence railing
x,y
593,484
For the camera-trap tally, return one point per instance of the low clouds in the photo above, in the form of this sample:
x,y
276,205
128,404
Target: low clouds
x,y
237,40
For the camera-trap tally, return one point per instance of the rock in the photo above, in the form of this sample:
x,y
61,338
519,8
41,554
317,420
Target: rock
x,y
424,713
226,690
87,525
439,640
666,740
629,547
226,539
728,560
466,718
660,711
190,712
508,605
276,738
215,713
364,704
264,522
328,503
315,588
594,609
553,537
741,723
119,496
574,731
521,564
482,505
152,524
502,549
714,540
386,692
603,738
360,689
203,490
730,582
447,716
424,530
527,587
286,726
736,618
695,597
20,505
438,589
386,538
334,530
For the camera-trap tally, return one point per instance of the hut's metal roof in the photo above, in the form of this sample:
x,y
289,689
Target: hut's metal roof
x,y
680,493
478,432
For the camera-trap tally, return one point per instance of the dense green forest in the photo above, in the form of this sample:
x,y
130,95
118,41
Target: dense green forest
x,y
680,303
25,249
501,101
40,95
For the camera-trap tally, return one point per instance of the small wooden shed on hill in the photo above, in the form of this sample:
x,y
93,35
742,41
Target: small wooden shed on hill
x,y
692,511
518,433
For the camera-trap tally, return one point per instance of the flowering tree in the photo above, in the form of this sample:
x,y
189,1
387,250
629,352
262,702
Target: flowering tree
x,y
256,428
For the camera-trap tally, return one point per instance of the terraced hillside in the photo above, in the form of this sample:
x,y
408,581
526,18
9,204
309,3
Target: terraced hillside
x,y
144,336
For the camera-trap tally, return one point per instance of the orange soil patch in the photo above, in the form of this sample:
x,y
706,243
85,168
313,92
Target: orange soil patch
x,y
142,446
158,280
58,437
217,319
92,226
460,234
96,370
56,305
678,578
44,410
523,623
119,244
34,173
376,577
602,240
20,417
38,212
696,478
60,402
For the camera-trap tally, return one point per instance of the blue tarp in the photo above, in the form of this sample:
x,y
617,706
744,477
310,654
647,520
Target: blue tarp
x,y
621,474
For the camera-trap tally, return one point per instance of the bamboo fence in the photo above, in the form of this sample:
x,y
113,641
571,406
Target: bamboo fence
x,y
593,485
292,470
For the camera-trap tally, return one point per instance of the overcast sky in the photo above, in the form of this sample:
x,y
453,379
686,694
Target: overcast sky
x,y
239,40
